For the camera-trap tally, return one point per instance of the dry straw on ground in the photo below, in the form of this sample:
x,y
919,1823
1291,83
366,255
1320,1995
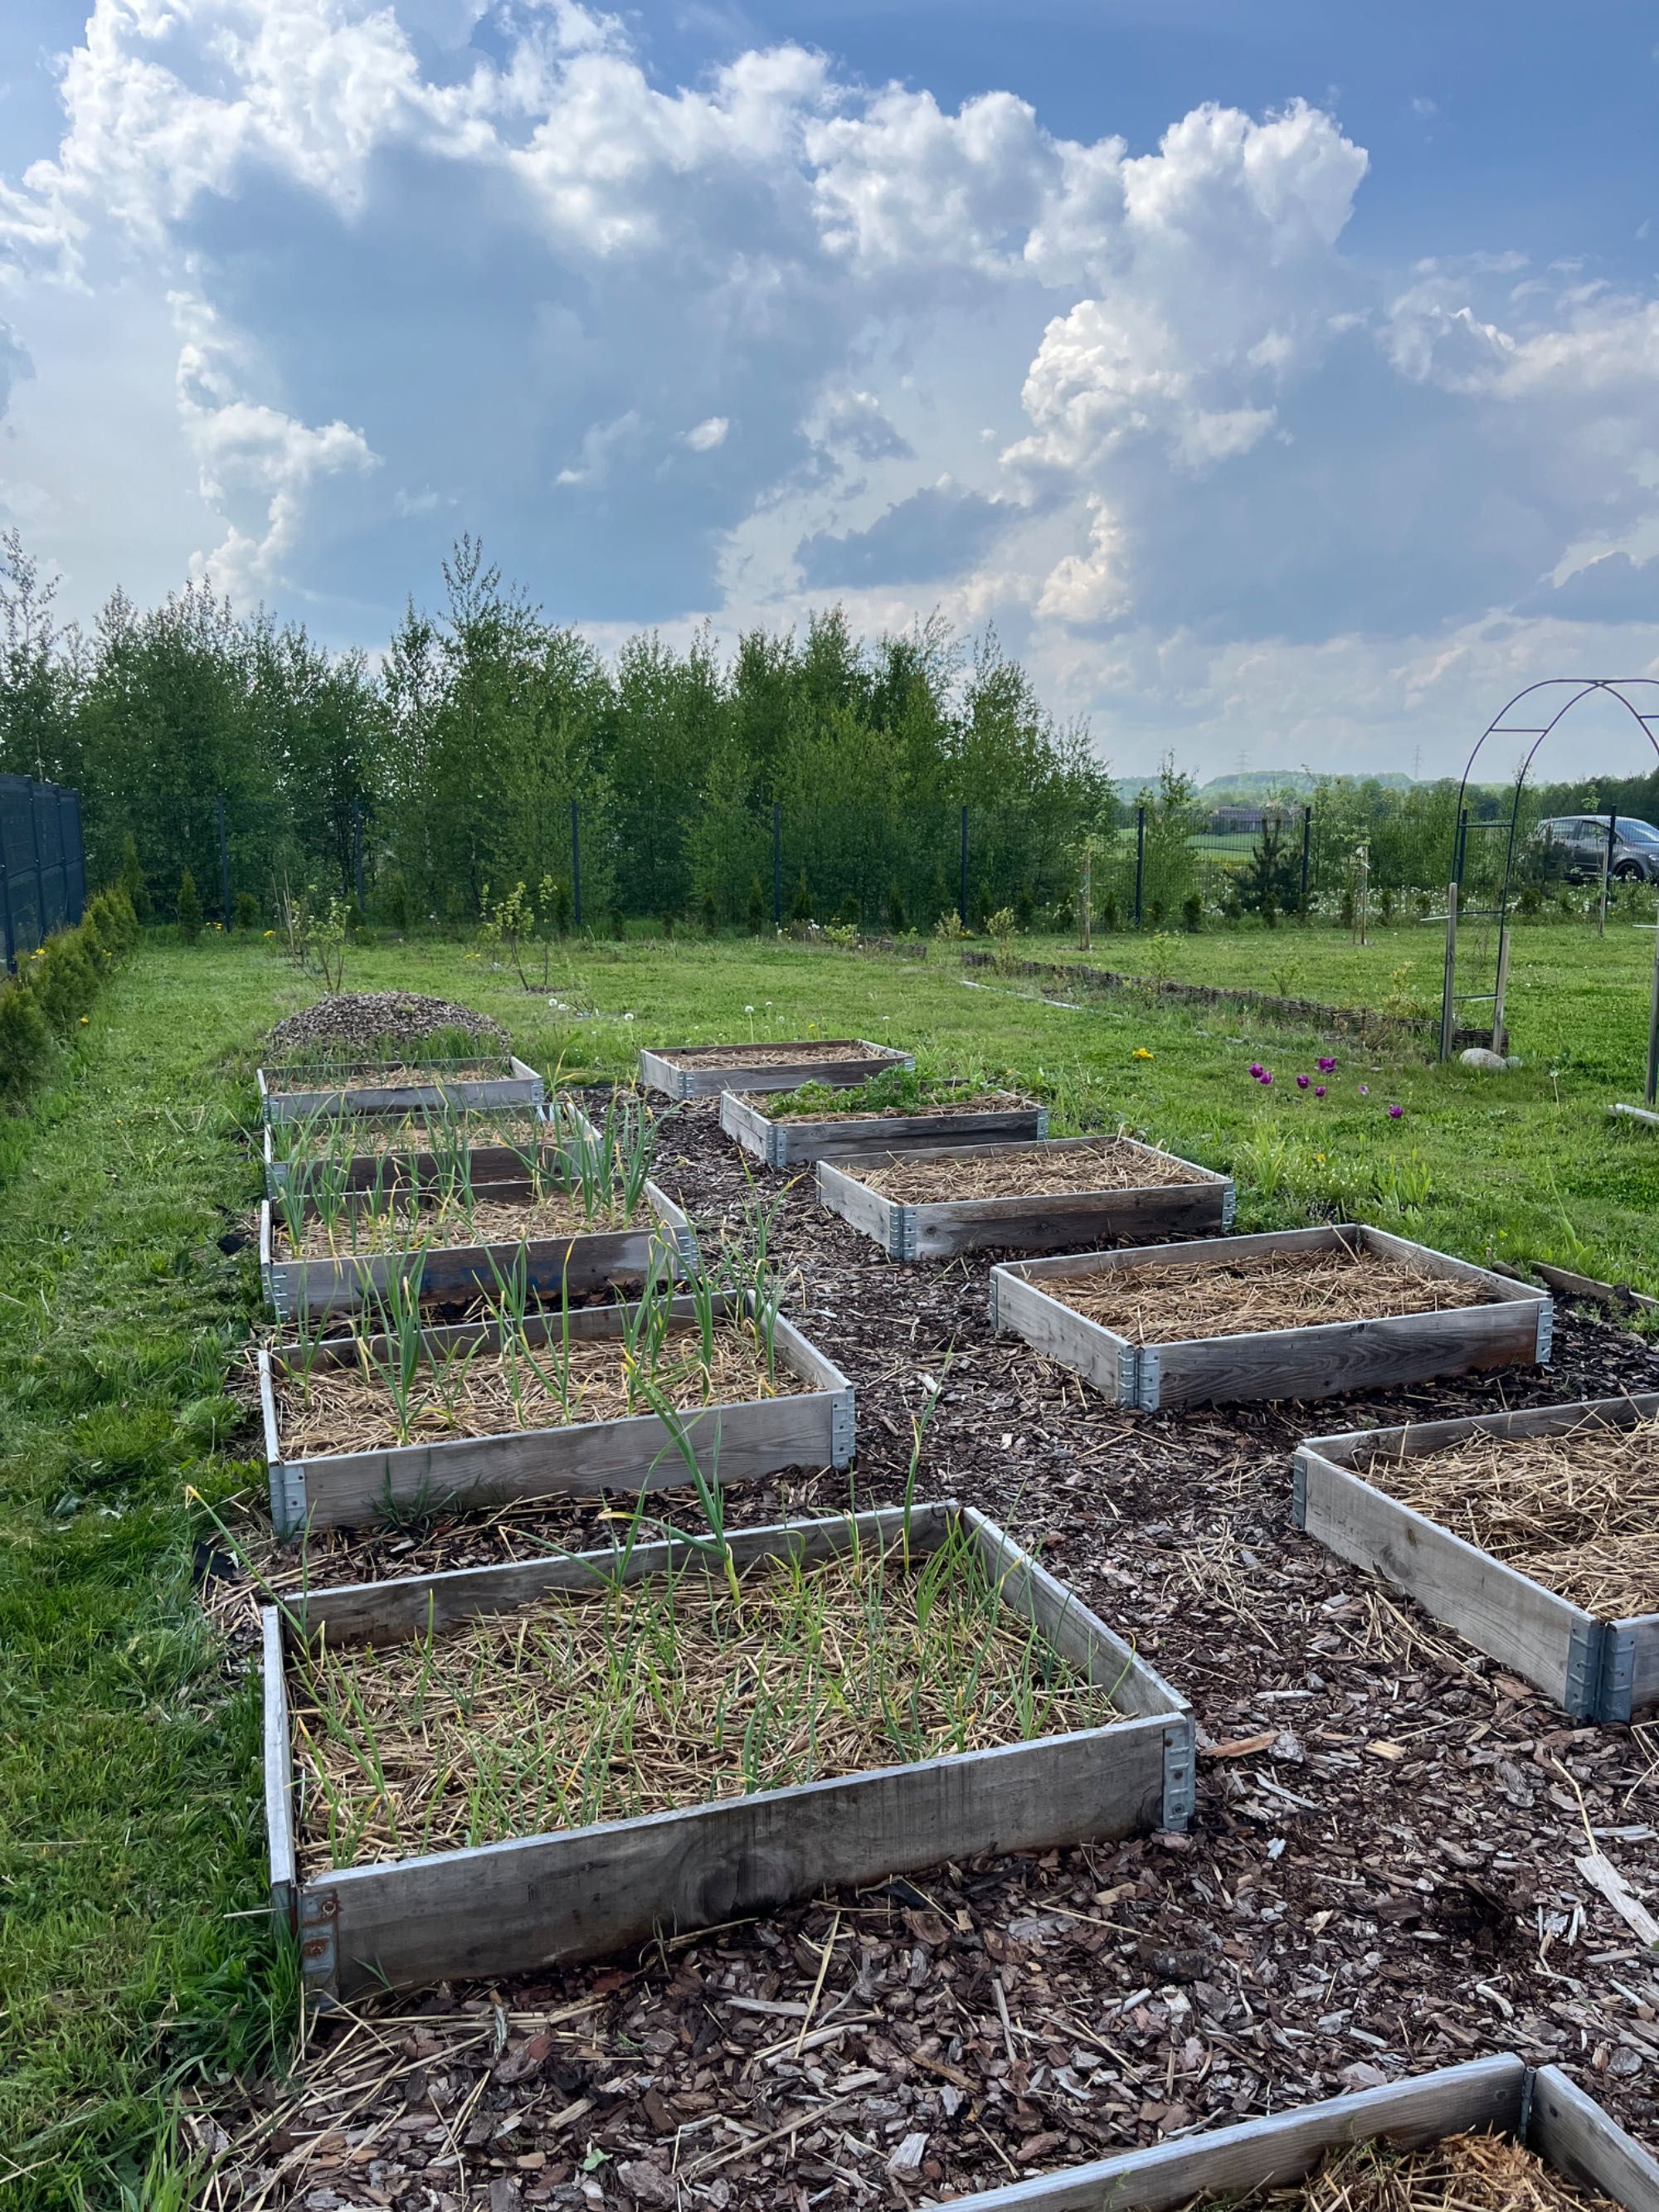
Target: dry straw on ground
x,y
1458,2174
361,1229
933,1101
358,1019
389,1135
1023,1171
1577,1513
762,1055
385,1075
486,1393
666,1692
1175,1302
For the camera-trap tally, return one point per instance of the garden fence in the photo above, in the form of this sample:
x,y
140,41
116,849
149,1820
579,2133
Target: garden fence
x,y
43,870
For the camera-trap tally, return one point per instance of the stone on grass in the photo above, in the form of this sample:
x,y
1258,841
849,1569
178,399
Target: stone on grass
x,y
1489,1063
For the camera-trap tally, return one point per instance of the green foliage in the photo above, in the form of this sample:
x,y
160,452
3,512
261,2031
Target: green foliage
x,y
800,906
131,877
756,915
708,914
896,921
64,979
848,913
395,903
25,1042
1192,912
187,910
245,913
1269,884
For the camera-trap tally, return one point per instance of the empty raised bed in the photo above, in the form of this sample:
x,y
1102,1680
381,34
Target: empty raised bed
x,y
791,1129
1298,1312
314,1263
1534,1534
289,1094
938,1200
548,1405
698,1071
1492,2135
660,1738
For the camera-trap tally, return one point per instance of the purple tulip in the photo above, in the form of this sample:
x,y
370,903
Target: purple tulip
x,y
1303,1081
1267,1075
1326,1066
1396,1113
1319,1090
1255,1069
1364,1090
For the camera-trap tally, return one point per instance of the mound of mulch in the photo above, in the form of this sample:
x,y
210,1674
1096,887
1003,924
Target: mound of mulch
x,y
367,1021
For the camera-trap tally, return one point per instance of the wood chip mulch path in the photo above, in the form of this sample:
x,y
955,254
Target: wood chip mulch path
x,y
1381,1877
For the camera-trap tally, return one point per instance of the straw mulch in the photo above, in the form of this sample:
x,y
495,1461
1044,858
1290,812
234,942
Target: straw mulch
x,y
394,1075
789,1107
1458,2174
1577,1513
405,1228
1036,1171
764,1055
1175,1302
485,1392
642,1698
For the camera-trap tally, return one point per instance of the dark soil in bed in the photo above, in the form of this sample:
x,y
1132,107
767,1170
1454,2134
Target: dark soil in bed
x,y
1380,1878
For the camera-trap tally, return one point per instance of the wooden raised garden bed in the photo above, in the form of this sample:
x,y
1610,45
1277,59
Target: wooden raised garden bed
x,y
794,1140
932,1202
1558,1514
1512,2120
699,1071
1165,1325
398,1087
398,1148
431,1909
580,1260
803,1417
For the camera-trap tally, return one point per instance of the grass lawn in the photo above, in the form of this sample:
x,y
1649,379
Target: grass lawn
x,y
132,1944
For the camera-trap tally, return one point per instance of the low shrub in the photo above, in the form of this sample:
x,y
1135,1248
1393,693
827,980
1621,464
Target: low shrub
x,y
54,990
188,911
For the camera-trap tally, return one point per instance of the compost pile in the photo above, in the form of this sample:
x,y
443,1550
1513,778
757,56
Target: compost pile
x,y
1578,1513
1023,1171
364,1022
1185,1300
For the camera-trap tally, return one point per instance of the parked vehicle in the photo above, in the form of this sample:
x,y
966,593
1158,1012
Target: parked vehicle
x,y
1575,847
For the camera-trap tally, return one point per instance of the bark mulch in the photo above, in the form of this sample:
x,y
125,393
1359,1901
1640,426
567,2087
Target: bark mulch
x,y
1381,1877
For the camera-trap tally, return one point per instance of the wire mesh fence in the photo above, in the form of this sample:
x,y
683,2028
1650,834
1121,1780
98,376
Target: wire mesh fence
x,y
43,873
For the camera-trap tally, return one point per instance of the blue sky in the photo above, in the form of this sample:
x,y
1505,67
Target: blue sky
x,y
1281,381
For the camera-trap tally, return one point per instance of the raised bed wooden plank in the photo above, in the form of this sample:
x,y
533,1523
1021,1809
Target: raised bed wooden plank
x,y
1544,2110
600,1260
521,1905
1039,1223
278,1767
356,1092
684,1071
737,1442
488,1162
1596,1670
801,1140
1322,1360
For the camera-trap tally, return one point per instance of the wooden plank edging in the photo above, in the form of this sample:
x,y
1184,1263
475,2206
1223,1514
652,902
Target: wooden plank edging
x,y
661,1068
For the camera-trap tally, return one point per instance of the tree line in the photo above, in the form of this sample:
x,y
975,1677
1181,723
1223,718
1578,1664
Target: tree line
x,y
447,772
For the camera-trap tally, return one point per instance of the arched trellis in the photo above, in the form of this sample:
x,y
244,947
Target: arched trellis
x,y
1563,694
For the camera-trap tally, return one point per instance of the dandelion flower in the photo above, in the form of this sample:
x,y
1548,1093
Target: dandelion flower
x,y
85,1018
1140,1053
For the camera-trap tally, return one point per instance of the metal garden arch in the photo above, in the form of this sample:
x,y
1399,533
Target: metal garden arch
x,y
1552,709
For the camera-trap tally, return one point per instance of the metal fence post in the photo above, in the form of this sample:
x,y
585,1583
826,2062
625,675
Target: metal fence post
x,y
1141,864
961,877
777,864
1307,847
8,939
224,867
575,865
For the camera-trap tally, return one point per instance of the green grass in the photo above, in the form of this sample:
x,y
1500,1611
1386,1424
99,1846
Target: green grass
x,y
130,1826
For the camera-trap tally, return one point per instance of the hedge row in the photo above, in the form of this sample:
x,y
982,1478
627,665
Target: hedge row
x,y
51,994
